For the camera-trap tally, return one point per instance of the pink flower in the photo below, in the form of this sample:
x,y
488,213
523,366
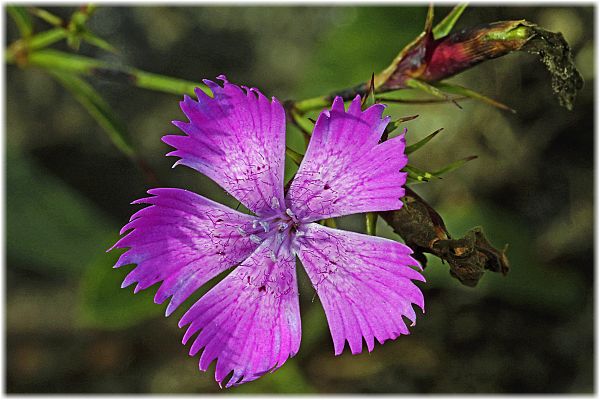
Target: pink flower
x,y
250,321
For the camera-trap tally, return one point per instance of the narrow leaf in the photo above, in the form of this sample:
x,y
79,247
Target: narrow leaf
x,y
94,40
21,17
369,97
453,166
444,27
460,90
98,109
47,16
392,126
294,156
429,19
406,119
426,87
414,147
404,100
418,175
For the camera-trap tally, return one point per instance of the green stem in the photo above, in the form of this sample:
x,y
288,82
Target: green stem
x,y
161,83
371,222
330,222
315,103
47,16
58,60
21,18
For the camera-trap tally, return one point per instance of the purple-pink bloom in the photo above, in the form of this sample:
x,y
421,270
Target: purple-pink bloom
x,y
250,321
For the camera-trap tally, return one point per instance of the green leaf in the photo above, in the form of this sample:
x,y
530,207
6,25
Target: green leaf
x,y
429,18
369,97
392,126
410,99
463,91
104,304
294,156
47,16
98,109
94,40
453,166
426,87
444,27
21,17
418,175
49,226
414,147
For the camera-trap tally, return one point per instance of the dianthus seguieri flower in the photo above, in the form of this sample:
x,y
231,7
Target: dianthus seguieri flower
x,y
250,321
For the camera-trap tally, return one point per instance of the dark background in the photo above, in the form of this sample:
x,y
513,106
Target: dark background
x,y
70,329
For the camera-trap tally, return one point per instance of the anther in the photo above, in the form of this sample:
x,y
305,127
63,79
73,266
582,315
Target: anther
x,y
264,225
274,203
255,239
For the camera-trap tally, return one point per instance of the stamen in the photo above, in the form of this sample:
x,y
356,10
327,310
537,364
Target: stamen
x,y
265,225
274,203
241,231
255,239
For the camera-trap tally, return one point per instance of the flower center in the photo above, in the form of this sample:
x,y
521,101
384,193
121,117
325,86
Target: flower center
x,y
281,228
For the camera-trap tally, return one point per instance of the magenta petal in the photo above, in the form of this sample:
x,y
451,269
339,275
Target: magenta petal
x,y
364,283
250,321
237,139
183,240
345,170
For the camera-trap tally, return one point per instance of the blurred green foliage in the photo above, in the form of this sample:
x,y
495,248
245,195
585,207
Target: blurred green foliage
x,y
48,224
70,328
104,305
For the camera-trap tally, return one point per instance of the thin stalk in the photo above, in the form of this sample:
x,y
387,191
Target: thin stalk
x,y
58,60
371,223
